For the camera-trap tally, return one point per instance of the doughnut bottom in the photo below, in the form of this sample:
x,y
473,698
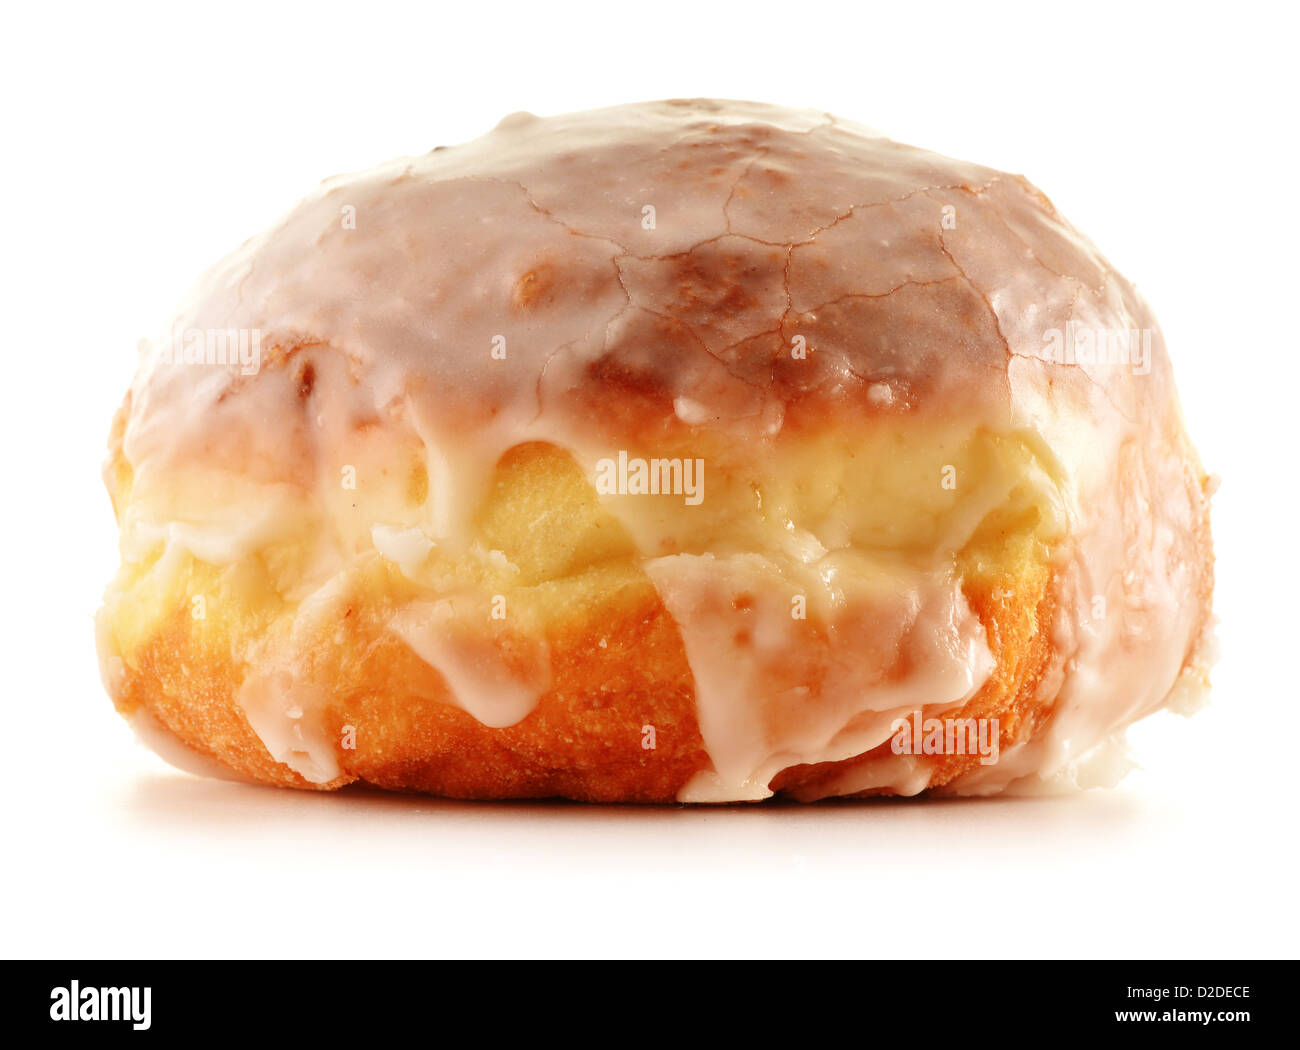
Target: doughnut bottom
x,y
620,680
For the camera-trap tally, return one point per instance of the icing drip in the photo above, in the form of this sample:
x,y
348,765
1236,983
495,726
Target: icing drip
x,y
453,641
775,691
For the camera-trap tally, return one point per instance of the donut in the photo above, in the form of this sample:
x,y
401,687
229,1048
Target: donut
x,y
688,451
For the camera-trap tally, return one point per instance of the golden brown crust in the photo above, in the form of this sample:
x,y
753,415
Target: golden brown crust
x,y
619,667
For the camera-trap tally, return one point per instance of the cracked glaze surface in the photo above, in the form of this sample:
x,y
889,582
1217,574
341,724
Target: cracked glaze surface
x,y
769,224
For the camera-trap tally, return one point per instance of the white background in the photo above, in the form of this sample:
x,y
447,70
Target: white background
x,y
143,143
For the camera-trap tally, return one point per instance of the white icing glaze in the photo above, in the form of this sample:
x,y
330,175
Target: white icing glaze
x,y
283,695
456,644
774,691
408,548
769,225
165,744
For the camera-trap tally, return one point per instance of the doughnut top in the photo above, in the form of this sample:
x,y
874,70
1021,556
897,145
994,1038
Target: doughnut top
x,y
652,275
676,256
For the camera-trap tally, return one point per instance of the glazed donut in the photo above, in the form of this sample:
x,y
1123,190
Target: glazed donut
x,y
690,450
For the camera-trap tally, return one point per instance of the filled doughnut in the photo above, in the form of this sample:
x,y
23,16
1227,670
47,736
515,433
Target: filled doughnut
x,y
690,450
